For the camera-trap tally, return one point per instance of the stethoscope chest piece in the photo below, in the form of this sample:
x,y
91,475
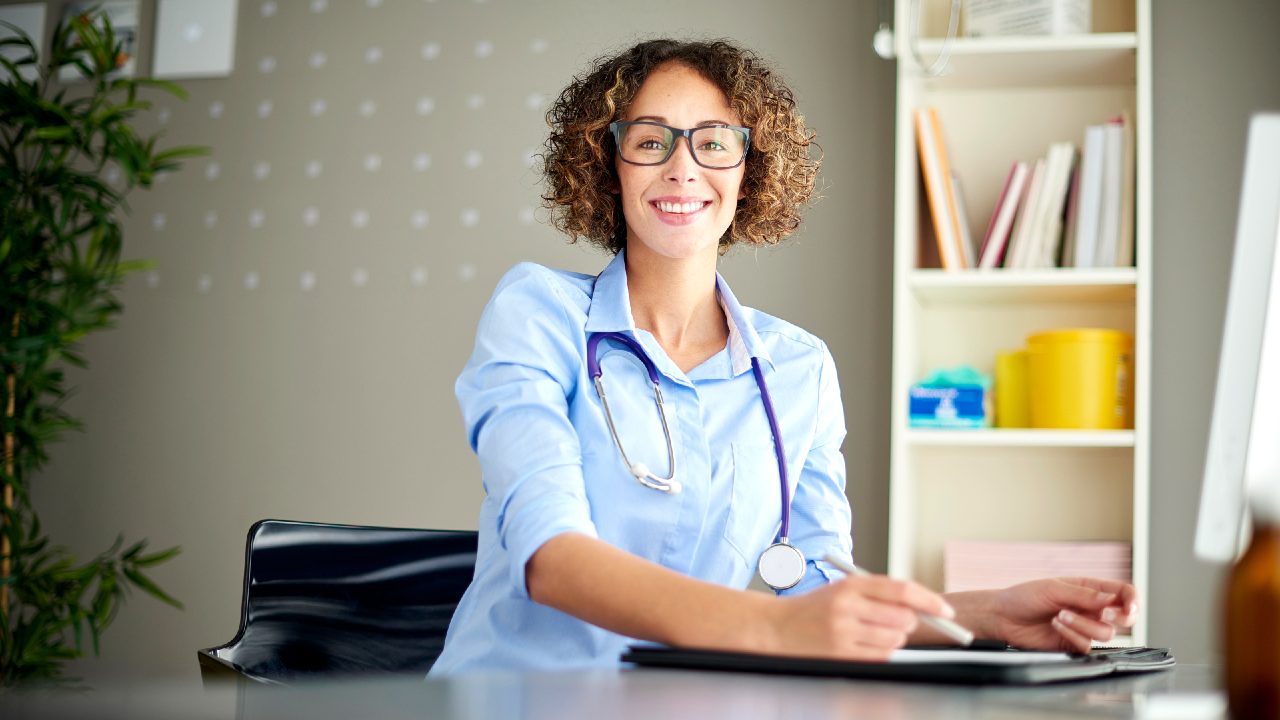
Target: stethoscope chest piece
x,y
781,566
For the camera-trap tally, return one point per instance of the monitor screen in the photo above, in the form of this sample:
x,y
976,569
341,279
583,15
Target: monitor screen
x,y
1244,435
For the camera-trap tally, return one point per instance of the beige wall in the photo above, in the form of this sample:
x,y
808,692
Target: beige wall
x,y
218,401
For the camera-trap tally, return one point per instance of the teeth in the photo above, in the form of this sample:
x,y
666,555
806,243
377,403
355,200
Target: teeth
x,y
671,207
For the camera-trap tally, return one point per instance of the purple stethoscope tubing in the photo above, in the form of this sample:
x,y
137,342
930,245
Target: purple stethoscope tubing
x,y
593,369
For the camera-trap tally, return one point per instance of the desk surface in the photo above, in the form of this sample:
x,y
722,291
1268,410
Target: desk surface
x,y
620,695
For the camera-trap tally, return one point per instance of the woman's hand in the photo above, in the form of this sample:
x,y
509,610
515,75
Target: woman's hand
x,y
856,618
1063,613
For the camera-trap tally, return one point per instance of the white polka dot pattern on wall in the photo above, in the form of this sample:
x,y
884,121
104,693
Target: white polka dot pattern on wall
x,y
153,279
476,110
114,176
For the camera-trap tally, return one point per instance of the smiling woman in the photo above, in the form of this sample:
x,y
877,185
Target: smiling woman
x,y
602,523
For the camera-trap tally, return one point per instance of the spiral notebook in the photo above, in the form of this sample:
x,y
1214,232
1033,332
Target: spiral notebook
x,y
986,665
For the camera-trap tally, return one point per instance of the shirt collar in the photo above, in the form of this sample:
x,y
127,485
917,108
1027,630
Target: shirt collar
x,y
611,312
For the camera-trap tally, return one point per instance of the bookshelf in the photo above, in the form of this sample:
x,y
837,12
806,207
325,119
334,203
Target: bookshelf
x,y
1000,100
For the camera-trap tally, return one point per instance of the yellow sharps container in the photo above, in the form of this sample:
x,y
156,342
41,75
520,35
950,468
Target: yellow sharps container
x,y
1081,378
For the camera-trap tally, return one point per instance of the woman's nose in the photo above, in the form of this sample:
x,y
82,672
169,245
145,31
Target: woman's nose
x,y
680,167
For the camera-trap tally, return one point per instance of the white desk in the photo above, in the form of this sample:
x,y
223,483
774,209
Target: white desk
x,y
619,695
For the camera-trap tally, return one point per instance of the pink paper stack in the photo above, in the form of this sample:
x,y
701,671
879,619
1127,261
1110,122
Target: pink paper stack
x,y
976,565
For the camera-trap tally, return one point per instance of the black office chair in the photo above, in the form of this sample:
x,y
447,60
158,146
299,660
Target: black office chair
x,y
323,599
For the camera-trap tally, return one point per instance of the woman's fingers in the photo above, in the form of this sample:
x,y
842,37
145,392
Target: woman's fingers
x,y
906,594
1068,631
1085,626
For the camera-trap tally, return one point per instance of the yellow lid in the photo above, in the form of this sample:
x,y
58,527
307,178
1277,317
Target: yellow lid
x,y
1080,335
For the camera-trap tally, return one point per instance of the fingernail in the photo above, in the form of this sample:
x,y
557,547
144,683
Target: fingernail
x,y
1109,615
1133,608
948,611
1106,597
1067,617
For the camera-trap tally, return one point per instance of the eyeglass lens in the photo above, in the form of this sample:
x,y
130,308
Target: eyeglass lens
x,y
713,147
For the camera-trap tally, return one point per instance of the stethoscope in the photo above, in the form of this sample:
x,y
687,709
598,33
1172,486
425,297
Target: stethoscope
x,y
781,565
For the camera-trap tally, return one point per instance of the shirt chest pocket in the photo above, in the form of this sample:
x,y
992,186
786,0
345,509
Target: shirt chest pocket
x,y
755,500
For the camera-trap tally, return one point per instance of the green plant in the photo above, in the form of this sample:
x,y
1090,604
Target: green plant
x,y
60,270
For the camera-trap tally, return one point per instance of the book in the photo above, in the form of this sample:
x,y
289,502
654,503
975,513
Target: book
x,y
1124,249
1062,160
1089,206
1019,244
996,240
1067,251
967,249
1112,196
936,171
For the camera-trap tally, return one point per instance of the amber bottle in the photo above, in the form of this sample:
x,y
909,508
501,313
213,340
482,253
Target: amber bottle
x,y
1252,628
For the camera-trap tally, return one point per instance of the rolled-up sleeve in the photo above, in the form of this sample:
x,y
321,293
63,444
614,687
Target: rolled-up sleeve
x,y
821,520
513,395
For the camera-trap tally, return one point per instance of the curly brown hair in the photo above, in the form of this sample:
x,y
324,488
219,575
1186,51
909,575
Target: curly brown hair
x,y
578,164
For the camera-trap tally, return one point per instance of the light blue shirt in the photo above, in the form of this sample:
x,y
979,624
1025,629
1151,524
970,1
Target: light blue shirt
x,y
550,466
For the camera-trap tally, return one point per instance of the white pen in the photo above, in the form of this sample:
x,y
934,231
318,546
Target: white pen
x,y
951,629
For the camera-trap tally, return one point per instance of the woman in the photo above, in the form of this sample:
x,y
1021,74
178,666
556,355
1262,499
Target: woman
x,y
601,526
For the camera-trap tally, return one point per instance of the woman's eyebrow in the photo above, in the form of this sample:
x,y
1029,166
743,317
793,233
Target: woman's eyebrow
x,y
663,120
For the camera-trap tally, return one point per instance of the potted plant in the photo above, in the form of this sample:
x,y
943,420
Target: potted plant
x,y
60,270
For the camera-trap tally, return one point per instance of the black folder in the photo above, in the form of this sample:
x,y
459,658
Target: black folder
x,y
1099,663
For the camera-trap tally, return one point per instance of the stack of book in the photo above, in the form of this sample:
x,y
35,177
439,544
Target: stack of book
x,y
976,565
1066,209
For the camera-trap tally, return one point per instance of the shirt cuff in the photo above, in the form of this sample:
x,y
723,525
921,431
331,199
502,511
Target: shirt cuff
x,y
533,524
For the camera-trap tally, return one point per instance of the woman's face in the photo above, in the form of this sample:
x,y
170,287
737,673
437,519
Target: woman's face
x,y
678,209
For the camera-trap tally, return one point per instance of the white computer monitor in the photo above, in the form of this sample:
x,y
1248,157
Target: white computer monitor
x,y
1244,436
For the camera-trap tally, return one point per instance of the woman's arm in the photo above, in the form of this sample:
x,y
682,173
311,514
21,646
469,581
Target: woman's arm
x,y
853,618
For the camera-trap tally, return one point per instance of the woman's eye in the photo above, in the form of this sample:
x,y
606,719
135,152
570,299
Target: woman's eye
x,y
714,145
652,144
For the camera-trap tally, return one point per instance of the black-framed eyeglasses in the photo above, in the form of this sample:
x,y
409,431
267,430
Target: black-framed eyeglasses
x,y
643,142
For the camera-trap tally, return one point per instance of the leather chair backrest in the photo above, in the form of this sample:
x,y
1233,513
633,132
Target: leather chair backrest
x,y
322,599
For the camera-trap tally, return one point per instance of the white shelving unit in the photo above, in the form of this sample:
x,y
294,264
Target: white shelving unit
x,y
1000,100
